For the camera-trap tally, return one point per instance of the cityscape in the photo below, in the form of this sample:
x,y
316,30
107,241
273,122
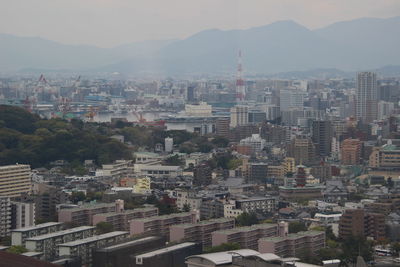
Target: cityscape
x,y
251,146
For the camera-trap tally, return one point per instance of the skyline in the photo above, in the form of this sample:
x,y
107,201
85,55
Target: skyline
x,y
118,22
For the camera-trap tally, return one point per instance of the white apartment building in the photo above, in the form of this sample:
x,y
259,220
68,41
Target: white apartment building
x,y
239,116
256,143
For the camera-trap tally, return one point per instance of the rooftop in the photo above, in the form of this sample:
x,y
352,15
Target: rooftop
x,y
247,228
292,236
162,217
129,243
127,211
38,226
90,206
165,250
207,222
60,233
93,239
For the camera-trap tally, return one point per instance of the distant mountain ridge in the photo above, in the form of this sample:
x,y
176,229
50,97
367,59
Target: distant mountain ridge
x,y
280,47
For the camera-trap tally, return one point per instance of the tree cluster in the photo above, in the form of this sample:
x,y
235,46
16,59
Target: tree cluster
x,y
25,138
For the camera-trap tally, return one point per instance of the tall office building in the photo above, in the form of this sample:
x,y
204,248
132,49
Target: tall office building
x,y
190,94
322,137
367,96
15,180
239,116
291,99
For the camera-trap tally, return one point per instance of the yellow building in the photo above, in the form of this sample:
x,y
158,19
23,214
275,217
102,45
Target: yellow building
x,y
385,157
142,185
15,180
289,165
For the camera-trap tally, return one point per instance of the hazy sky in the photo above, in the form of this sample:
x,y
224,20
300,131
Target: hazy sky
x,y
112,22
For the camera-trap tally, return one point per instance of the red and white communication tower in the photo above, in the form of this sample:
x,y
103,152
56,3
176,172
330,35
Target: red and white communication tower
x,y
240,88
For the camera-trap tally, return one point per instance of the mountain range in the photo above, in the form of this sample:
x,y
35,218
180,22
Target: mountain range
x,y
283,46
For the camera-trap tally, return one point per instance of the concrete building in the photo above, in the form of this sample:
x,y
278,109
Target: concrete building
x,y
83,215
159,225
222,127
168,144
5,216
47,198
15,180
83,248
247,237
120,219
293,245
47,244
256,143
117,169
187,198
120,254
351,152
142,186
171,256
211,208
23,214
367,97
386,157
239,116
199,232
356,222
306,192
230,210
200,110
291,99
302,150
322,137
253,204
257,171
160,171
18,236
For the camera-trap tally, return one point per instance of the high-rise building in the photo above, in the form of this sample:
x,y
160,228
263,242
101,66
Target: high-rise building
x,y
169,144
356,222
291,99
23,214
351,152
367,96
15,180
239,116
5,216
302,150
322,137
190,97
222,127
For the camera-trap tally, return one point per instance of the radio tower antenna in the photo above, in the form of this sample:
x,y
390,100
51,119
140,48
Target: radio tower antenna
x,y
240,88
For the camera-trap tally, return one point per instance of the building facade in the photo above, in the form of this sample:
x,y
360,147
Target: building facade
x,y
15,180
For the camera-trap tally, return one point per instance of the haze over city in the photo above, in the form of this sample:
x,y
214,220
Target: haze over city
x,y
224,133
108,23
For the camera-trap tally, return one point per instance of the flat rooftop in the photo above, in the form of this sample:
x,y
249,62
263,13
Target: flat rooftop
x,y
293,236
93,239
60,233
127,211
207,222
162,217
247,228
129,243
36,227
165,250
90,206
